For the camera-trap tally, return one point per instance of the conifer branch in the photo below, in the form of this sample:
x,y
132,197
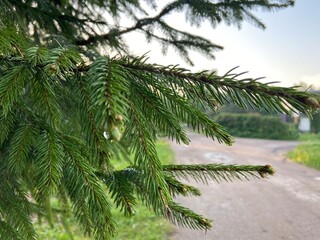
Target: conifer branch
x,y
146,158
177,188
12,84
9,231
15,209
184,217
198,13
20,146
7,123
121,190
48,165
218,172
163,119
81,182
228,88
87,119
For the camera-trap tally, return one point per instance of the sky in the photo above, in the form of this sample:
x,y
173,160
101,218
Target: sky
x,y
287,51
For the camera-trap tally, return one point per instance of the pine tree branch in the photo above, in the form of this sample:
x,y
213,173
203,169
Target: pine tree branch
x,y
48,165
174,212
7,125
20,146
15,209
44,98
184,217
87,119
146,158
108,88
121,190
85,190
74,22
244,92
218,172
140,23
164,120
12,84
177,188
199,11
183,42
261,95
9,231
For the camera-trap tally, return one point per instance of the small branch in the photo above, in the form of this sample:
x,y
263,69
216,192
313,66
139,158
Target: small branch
x,y
312,101
219,172
113,32
139,24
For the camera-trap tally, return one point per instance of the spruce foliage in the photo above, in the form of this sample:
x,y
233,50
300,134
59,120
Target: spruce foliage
x,y
66,110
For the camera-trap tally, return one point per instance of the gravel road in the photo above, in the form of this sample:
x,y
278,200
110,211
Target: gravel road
x,y
284,207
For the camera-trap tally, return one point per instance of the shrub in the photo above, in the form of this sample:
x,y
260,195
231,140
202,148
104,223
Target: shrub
x,y
257,126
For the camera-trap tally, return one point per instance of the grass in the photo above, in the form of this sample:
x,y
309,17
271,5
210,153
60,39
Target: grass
x,y
143,225
307,153
164,151
309,137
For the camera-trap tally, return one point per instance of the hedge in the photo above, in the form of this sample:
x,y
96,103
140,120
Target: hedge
x,y
255,125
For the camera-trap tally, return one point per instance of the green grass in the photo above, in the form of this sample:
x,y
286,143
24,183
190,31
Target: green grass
x,y
309,137
143,225
307,153
164,151
58,232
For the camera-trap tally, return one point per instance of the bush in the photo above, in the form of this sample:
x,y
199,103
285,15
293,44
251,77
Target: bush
x,y
257,126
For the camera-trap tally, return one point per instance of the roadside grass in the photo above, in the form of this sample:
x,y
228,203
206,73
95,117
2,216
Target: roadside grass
x,y
308,152
309,137
143,225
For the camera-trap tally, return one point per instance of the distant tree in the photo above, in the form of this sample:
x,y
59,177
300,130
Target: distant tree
x,y
66,109
315,117
315,123
233,108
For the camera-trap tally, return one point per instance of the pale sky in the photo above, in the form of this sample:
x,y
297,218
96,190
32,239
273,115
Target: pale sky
x,y
287,51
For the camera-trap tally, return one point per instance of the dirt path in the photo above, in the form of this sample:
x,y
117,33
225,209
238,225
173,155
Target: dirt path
x,y
285,206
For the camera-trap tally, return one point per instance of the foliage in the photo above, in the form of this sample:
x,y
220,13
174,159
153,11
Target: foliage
x,y
315,123
66,110
257,126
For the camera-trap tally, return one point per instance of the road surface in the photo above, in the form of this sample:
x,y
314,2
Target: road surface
x,y
284,207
